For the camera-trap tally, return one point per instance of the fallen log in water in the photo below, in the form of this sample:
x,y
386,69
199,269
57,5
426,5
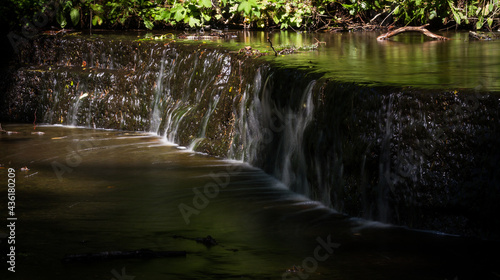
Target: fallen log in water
x,y
112,255
483,36
420,29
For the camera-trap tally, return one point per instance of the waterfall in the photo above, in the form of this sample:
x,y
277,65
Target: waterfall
x,y
399,155
157,104
294,165
385,185
175,114
206,117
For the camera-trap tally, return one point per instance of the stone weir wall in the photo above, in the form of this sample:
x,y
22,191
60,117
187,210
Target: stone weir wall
x,y
427,159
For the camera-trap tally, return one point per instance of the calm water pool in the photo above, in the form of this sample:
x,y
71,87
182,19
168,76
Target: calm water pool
x,y
90,191
409,59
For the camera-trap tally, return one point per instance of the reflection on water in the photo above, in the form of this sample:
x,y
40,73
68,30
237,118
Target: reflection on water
x,y
91,191
409,59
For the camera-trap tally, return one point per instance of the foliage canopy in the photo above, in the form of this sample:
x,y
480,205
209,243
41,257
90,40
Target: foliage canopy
x,y
296,14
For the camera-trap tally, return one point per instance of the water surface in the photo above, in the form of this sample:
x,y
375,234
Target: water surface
x,y
409,59
90,191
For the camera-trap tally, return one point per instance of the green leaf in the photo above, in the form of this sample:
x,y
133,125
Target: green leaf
x,y
479,23
471,10
206,3
275,19
486,10
490,22
97,8
206,17
68,5
176,8
163,14
433,14
148,24
193,22
96,20
245,6
179,15
396,10
462,15
75,16
61,19
179,12
456,16
347,6
297,23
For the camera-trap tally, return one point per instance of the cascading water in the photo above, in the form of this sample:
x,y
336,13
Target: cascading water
x,y
294,165
264,122
355,148
175,114
203,127
385,184
157,104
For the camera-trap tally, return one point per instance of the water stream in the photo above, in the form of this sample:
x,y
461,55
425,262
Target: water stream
x,y
152,143
90,191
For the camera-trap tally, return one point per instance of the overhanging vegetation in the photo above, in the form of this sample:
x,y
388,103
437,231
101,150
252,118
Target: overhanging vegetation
x,y
283,14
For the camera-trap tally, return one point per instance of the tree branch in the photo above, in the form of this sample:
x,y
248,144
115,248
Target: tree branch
x,y
420,29
271,43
